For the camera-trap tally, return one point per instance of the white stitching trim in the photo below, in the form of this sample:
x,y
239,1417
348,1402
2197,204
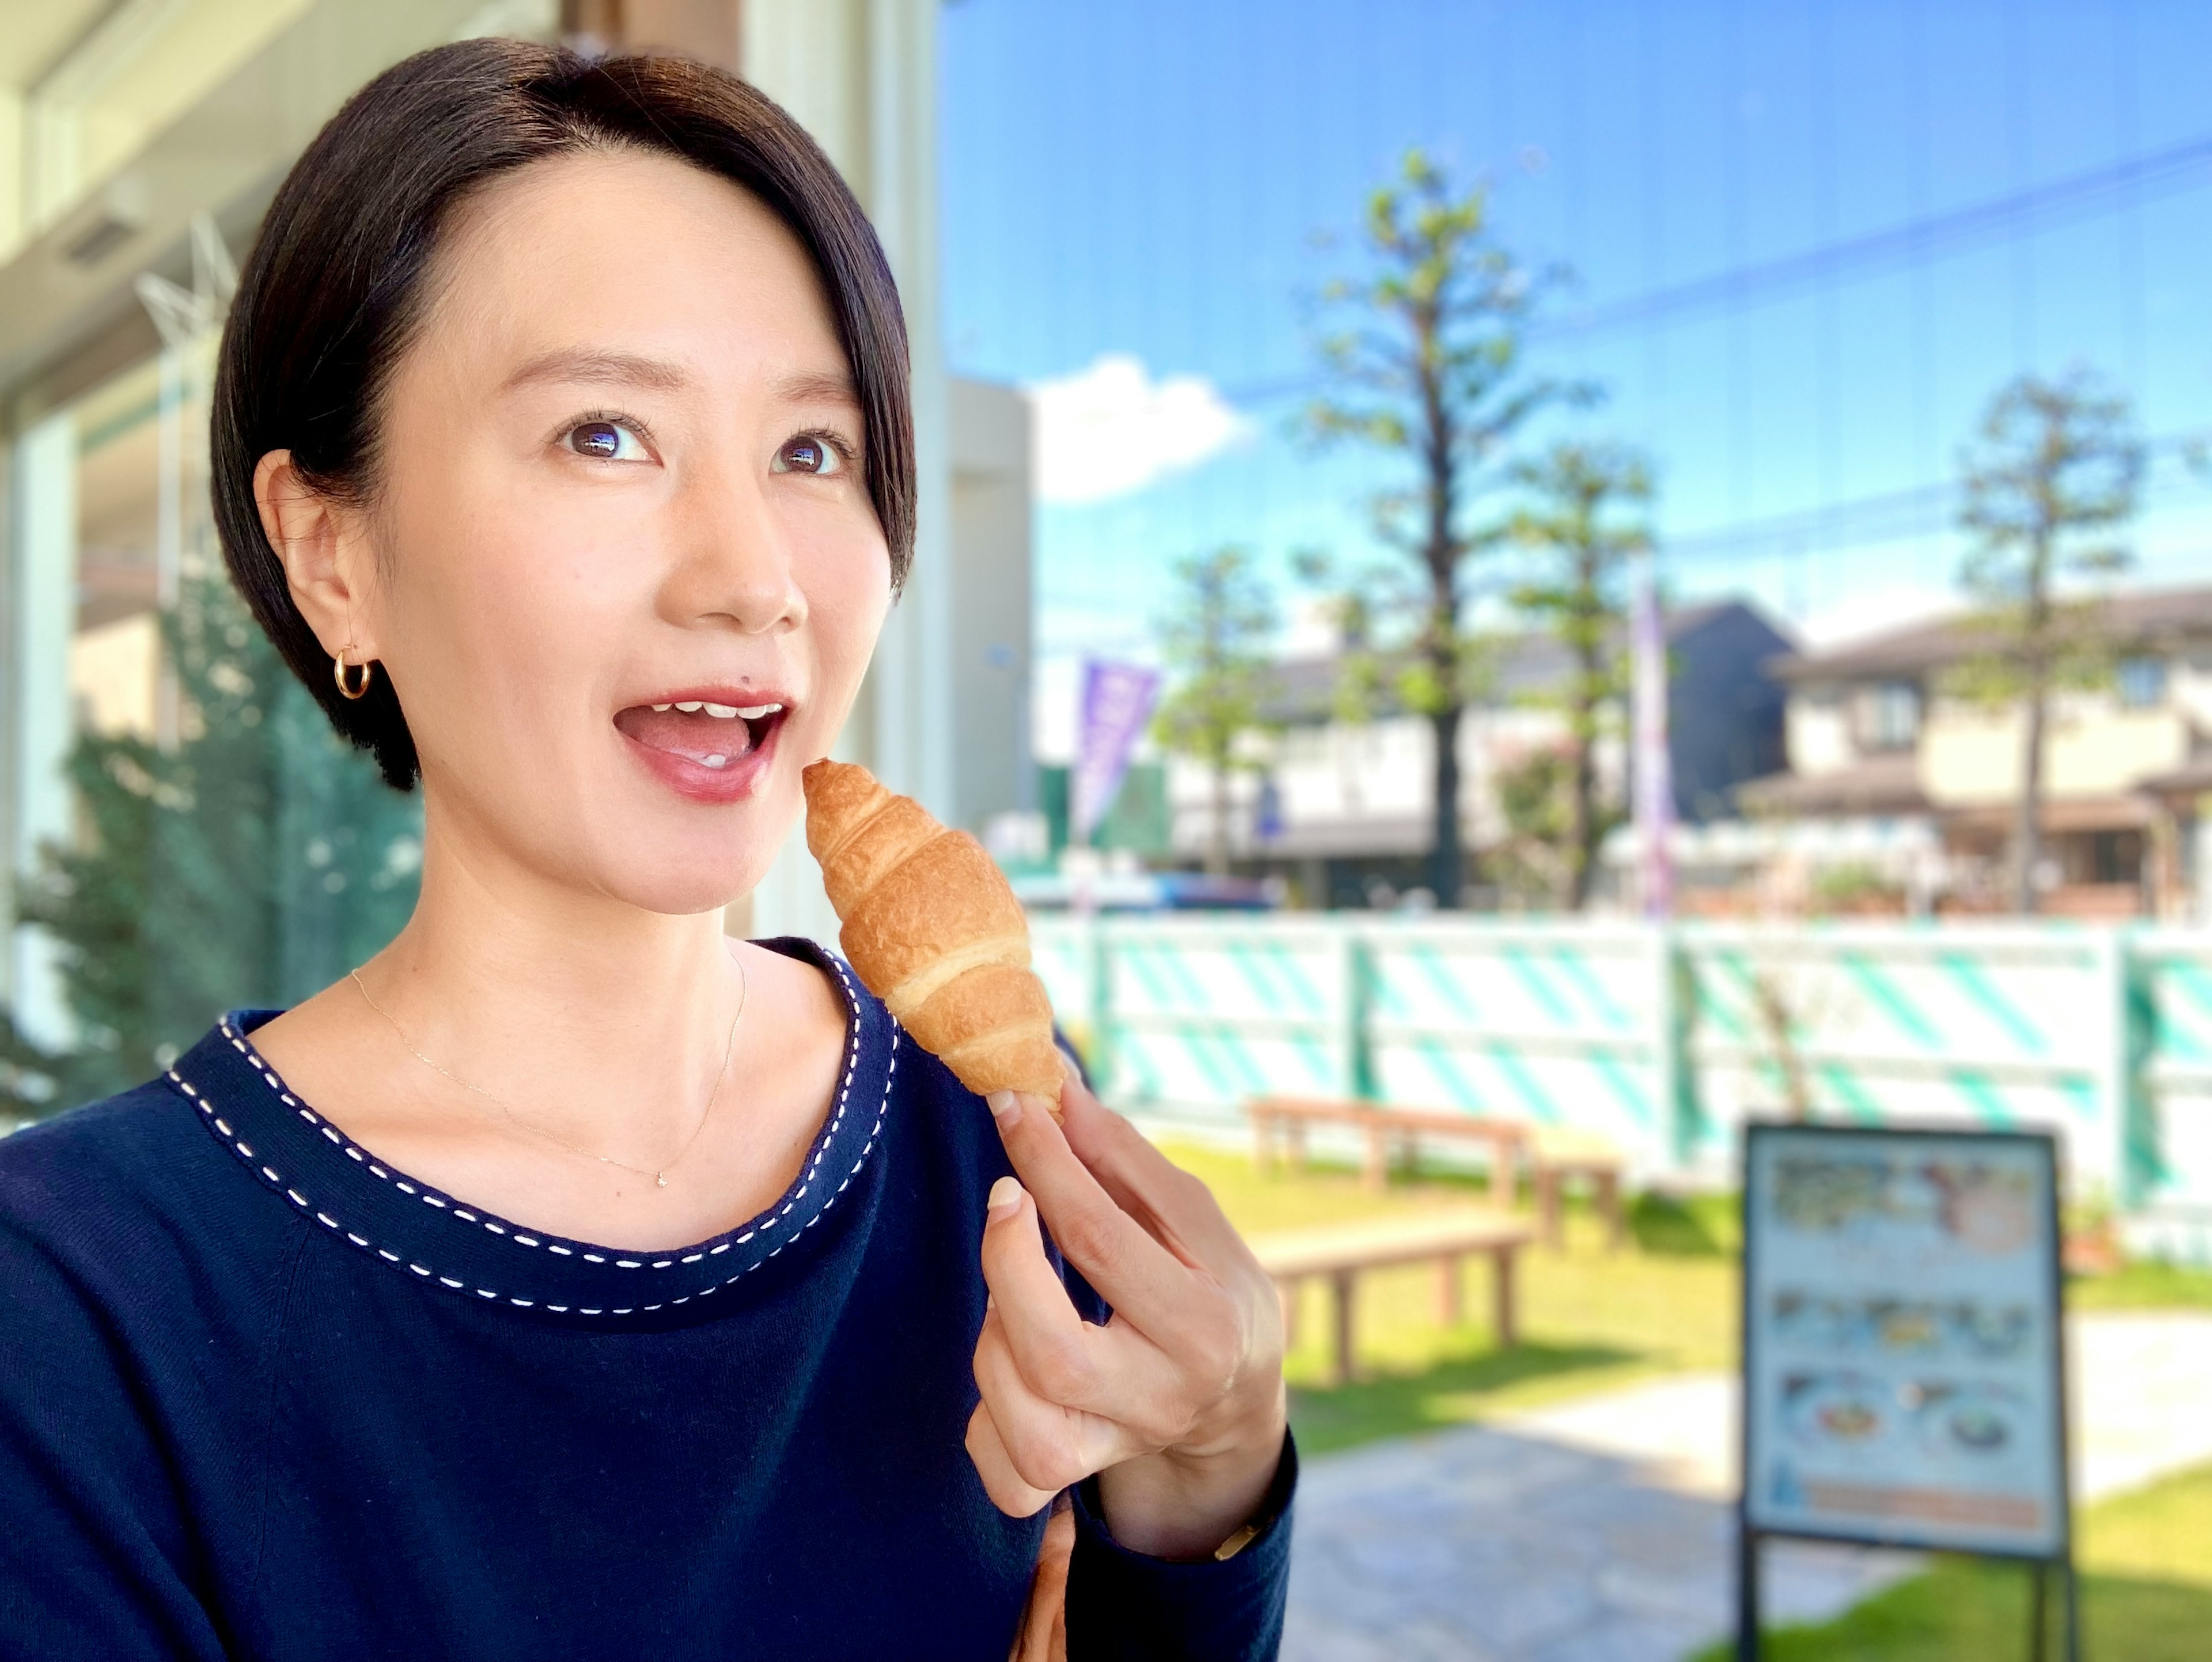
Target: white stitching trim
x,y
829,1136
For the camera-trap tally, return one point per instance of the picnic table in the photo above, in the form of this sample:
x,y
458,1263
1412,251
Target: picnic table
x,y
1340,1253
1554,1157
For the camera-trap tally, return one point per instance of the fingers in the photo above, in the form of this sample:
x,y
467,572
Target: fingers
x,y
1034,1330
1042,1635
1133,1271
1006,1486
1174,1208
1050,1444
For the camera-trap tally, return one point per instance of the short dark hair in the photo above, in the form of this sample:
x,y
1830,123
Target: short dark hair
x,y
333,289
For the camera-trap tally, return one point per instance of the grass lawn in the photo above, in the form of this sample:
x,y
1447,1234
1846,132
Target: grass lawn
x,y
2146,1587
1590,1319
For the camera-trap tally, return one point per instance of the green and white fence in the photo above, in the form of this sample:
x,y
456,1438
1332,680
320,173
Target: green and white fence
x,y
1664,1039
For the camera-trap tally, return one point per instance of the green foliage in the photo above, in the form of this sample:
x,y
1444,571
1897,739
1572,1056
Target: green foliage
x,y
2049,485
1428,363
252,863
1854,885
1535,797
2052,482
1581,524
1215,644
1218,641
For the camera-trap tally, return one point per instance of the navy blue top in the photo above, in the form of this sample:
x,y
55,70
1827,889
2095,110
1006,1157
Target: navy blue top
x,y
265,1395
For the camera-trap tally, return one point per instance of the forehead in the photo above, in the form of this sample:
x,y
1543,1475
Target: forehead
x,y
624,250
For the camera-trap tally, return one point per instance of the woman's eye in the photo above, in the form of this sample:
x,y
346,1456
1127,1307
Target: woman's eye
x,y
607,441
809,453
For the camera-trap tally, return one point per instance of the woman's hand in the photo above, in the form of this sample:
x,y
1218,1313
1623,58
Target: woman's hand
x,y
1177,1403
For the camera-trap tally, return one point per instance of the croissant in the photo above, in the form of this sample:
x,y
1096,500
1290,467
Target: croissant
x,y
932,927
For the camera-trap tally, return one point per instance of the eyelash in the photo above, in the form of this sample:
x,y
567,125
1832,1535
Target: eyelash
x,y
603,418
848,455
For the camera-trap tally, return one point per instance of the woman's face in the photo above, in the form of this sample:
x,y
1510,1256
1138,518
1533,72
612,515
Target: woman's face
x,y
626,574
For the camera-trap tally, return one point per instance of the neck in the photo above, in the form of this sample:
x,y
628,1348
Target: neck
x,y
604,1023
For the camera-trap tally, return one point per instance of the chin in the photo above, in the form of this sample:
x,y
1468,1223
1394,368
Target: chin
x,y
704,859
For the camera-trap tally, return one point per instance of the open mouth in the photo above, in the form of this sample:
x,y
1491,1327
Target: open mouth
x,y
708,734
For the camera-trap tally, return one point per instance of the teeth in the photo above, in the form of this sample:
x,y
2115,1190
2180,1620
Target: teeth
x,y
664,706
691,706
725,711
716,761
753,713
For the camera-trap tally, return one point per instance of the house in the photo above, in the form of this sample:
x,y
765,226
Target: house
x,y
1878,732
1342,808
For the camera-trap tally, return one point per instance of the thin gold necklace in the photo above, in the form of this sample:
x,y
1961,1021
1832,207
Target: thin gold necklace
x,y
660,1176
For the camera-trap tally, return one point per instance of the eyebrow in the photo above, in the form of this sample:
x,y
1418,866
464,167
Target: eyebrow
x,y
617,369
630,370
812,387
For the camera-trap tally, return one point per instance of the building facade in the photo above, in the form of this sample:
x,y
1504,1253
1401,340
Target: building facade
x,y
1343,809
1882,732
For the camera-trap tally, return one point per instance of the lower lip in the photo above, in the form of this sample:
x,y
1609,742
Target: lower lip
x,y
697,783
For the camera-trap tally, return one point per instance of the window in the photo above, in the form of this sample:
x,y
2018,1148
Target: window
x,y
2142,683
1890,716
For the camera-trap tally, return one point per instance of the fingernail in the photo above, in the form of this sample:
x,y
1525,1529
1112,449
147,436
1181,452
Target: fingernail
x,y
1005,1107
1006,1196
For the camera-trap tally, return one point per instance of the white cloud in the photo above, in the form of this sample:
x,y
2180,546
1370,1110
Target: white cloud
x,y
1111,428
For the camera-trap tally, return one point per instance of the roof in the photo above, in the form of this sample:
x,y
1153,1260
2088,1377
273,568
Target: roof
x,y
1879,785
2140,617
1522,664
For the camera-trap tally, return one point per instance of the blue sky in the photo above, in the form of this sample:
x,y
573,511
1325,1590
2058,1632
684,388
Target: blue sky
x,y
1146,181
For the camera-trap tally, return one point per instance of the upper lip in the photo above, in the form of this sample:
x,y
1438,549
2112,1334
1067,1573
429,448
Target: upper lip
x,y
744,698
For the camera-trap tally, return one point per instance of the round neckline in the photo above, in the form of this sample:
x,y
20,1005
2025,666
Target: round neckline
x,y
429,1236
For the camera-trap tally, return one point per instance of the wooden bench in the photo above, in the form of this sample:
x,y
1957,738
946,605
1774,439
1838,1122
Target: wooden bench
x,y
1554,1158
1338,1253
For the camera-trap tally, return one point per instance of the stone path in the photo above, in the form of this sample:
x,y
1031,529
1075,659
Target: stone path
x,y
1602,1530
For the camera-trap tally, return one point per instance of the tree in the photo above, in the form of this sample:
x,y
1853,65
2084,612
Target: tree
x,y
2050,482
1216,642
252,863
1431,370
1583,524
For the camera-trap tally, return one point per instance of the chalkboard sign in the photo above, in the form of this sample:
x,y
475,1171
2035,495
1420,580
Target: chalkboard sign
x,y
1903,1352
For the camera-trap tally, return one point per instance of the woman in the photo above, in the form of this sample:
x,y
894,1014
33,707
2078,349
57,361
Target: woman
x,y
570,1282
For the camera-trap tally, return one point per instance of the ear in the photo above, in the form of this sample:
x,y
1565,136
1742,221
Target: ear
x,y
328,562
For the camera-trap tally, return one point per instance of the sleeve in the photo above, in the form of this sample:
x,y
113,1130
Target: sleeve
x,y
1125,1607
96,1560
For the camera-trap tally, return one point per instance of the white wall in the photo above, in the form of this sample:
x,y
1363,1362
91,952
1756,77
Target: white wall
x,y
41,592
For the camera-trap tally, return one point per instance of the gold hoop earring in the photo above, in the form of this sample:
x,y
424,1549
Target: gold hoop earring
x,y
346,687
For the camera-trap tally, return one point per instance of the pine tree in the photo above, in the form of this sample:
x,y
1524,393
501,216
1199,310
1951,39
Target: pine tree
x,y
252,863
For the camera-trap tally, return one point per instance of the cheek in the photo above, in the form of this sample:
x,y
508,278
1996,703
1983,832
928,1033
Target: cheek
x,y
507,613
848,586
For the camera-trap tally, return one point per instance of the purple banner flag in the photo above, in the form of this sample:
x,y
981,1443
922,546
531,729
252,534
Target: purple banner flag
x,y
1652,771
1117,702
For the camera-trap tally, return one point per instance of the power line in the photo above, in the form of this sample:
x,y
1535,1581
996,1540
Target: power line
x,y
2122,185
2039,207
1884,516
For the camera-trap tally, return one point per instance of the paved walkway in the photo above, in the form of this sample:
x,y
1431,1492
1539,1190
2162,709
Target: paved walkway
x,y
1602,1530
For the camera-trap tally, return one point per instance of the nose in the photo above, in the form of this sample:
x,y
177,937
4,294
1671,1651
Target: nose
x,y
735,564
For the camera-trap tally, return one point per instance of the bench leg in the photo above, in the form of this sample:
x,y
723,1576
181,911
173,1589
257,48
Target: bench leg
x,y
1377,1174
1343,1282
1608,1199
1504,1323
1263,1145
1297,1146
1550,1205
1450,1309
1287,1291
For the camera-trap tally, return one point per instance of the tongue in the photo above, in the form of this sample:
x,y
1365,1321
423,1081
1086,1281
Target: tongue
x,y
697,735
